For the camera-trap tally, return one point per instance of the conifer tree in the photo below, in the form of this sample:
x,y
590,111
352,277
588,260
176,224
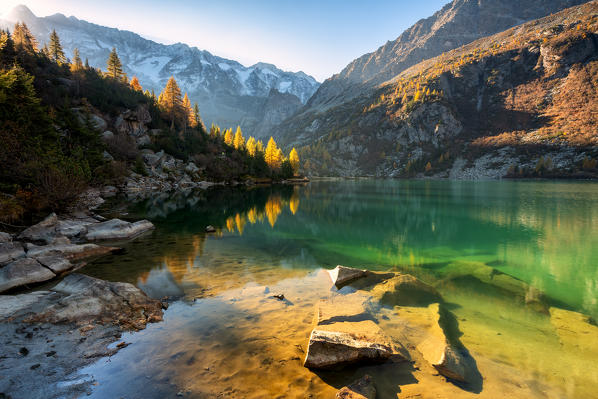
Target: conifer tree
x,y
251,146
294,160
115,67
23,39
86,63
7,49
77,64
259,146
239,140
171,101
188,111
135,85
56,51
198,122
273,154
228,136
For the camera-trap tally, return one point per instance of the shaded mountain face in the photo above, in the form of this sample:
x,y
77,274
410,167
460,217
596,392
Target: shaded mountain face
x,y
458,23
228,93
521,101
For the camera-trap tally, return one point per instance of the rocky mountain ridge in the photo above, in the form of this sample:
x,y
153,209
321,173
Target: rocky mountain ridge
x,y
229,93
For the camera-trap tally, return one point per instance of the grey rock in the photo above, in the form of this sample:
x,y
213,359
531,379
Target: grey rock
x,y
143,140
55,262
21,272
107,135
117,229
10,251
342,275
70,251
106,155
5,237
44,231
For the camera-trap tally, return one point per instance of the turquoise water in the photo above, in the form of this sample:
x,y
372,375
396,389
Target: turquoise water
x,y
501,254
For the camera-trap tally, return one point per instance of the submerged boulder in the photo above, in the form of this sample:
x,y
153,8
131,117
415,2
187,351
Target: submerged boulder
x,y
352,307
363,388
22,272
440,353
345,343
117,229
405,290
342,275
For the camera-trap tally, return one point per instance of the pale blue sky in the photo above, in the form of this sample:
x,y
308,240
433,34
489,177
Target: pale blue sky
x,y
319,37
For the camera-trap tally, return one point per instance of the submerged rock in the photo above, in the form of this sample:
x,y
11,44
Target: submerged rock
x,y
21,272
439,352
338,308
117,229
342,275
363,388
405,290
344,343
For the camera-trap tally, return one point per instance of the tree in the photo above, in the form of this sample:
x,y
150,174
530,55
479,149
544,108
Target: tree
x,y
188,112
86,63
7,49
228,136
259,146
198,121
273,154
135,85
56,51
171,101
77,64
239,140
23,39
115,67
251,146
294,160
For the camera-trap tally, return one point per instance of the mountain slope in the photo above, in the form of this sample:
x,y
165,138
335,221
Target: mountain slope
x,y
228,92
458,23
496,104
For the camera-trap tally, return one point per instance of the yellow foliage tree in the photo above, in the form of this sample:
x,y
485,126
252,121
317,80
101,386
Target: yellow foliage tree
x,y
259,146
171,101
294,160
228,136
251,146
239,140
273,154
188,111
135,85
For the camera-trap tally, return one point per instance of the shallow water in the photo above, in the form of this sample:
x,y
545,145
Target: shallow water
x,y
500,253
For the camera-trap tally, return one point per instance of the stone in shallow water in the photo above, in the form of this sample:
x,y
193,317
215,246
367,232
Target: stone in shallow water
x,y
342,275
439,352
21,272
70,251
344,343
351,307
405,290
117,229
363,388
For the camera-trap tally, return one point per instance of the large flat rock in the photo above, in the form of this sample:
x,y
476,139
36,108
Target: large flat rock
x,y
10,251
70,251
55,262
342,275
341,344
21,272
44,231
337,308
117,229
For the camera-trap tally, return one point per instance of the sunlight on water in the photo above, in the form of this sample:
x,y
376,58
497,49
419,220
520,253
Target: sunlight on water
x,y
514,261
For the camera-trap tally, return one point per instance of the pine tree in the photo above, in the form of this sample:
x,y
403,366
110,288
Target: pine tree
x,y
228,136
273,154
251,146
23,39
86,63
7,49
198,122
239,140
77,64
56,51
171,102
115,67
135,85
294,160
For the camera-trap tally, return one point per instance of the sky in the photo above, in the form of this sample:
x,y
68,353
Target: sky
x,y
318,37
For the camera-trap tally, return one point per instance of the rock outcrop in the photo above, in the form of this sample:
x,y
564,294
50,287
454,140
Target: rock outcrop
x,y
117,229
342,275
341,344
22,272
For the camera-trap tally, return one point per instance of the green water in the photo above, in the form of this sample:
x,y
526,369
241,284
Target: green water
x,y
501,254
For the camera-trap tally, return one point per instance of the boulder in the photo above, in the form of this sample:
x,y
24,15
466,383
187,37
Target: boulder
x,y
70,251
10,251
345,343
191,168
84,300
117,229
340,308
44,231
438,351
143,140
55,262
210,229
21,272
107,135
363,388
342,275
405,290
5,237
106,155
72,228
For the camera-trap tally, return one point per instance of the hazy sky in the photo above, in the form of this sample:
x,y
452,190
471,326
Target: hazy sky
x,y
319,37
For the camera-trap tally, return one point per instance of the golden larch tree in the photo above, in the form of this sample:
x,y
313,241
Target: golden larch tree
x,y
251,146
135,85
273,154
259,146
294,160
171,101
228,136
239,140
189,116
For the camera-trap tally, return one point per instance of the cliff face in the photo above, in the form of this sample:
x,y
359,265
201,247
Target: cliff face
x,y
508,99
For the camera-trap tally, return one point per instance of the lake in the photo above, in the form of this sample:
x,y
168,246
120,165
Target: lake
x,y
503,254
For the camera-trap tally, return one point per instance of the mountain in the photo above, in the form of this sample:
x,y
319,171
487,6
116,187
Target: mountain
x,y
458,23
520,102
228,93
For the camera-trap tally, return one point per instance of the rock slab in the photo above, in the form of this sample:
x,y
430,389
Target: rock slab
x,y
342,275
117,229
21,272
363,388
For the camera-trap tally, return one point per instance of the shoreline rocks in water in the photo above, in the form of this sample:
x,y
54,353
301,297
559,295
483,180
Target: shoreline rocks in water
x,y
363,388
342,275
